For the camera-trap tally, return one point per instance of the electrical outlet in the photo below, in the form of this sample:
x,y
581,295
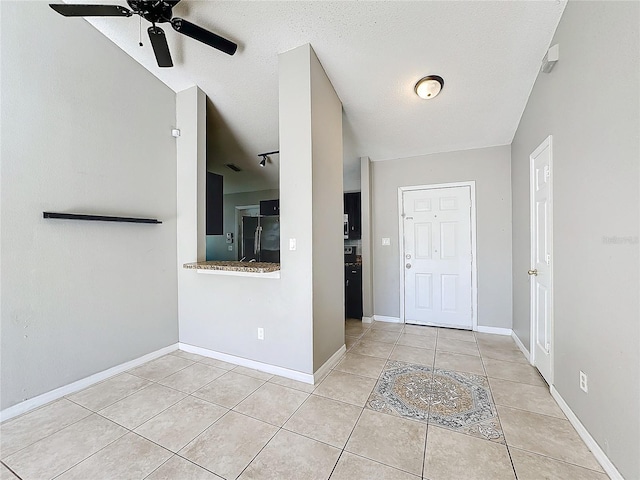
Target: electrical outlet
x,y
260,333
583,382
386,242
230,248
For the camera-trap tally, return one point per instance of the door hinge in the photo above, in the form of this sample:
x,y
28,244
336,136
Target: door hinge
x,y
548,259
547,172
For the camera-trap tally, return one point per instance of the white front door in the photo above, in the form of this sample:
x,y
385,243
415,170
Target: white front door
x,y
541,258
437,256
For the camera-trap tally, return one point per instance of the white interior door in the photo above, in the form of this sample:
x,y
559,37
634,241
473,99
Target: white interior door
x,y
437,256
541,261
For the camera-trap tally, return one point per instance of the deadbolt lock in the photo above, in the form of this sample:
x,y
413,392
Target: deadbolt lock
x,y
408,265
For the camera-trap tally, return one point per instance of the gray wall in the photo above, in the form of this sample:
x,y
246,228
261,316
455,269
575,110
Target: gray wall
x,y
222,313
217,244
490,168
81,297
589,103
328,215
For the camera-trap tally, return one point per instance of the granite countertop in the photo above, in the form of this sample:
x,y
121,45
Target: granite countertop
x,y
247,267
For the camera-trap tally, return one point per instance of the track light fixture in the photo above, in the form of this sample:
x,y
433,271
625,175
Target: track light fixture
x,y
265,157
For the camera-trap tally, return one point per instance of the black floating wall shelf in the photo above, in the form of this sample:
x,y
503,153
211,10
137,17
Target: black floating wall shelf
x,y
98,218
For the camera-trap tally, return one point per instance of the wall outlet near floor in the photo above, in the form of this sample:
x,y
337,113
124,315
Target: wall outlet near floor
x,y
583,382
386,242
260,333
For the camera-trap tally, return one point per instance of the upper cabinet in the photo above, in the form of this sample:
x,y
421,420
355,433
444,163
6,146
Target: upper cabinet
x,y
214,204
353,209
270,207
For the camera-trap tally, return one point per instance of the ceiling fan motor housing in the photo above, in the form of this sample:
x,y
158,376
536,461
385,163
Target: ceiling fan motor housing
x,y
153,11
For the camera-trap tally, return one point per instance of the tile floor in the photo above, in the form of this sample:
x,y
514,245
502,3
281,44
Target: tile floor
x,y
405,402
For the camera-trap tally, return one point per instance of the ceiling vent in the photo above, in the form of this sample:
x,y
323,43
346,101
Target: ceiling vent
x,y
233,167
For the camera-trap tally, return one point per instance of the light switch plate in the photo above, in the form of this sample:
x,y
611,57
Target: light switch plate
x,y
292,244
386,242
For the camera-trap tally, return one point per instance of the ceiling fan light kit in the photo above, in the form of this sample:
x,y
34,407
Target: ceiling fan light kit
x,y
153,11
429,87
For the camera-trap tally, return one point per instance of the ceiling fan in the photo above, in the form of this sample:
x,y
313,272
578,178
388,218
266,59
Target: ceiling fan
x,y
153,11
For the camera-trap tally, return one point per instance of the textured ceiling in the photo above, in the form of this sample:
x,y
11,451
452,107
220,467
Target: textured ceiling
x,y
488,53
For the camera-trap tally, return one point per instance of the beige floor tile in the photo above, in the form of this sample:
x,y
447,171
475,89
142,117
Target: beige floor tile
x,y
229,389
161,367
421,330
381,336
26,429
452,455
454,334
505,353
272,403
491,339
353,389
6,474
325,420
388,326
62,450
128,458
525,397
177,468
457,346
515,372
250,372
110,391
194,357
361,365
228,445
422,356
134,410
190,379
418,341
355,330
212,362
390,440
530,466
459,362
350,340
550,436
353,467
372,349
287,382
178,425
289,455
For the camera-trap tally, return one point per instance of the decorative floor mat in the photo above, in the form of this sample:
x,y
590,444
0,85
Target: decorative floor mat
x,y
455,400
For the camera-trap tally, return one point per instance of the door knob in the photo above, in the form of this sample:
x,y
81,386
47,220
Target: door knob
x,y
533,272
408,265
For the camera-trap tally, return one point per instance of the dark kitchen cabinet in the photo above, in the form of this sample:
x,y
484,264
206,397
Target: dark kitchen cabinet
x,y
353,209
214,204
353,291
270,207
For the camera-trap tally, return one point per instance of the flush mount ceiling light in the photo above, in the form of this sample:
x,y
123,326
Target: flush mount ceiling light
x,y
429,86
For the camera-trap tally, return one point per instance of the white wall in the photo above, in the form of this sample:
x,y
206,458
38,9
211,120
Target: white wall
x,y
77,136
490,168
590,104
222,313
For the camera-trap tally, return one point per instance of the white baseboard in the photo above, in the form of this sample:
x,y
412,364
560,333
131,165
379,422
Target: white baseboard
x,y
329,364
493,330
45,398
245,362
521,346
367,319
383,318
602,458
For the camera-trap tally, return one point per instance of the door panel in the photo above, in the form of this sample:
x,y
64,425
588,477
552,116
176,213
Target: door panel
x,y
541,258
437,256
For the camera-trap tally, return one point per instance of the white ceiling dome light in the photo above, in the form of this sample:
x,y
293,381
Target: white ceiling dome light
x,y
429,86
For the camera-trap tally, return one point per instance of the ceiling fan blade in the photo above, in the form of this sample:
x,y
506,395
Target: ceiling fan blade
x,y
205,36
160,46
69,10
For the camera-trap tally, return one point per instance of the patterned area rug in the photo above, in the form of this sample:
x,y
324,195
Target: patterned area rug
x,y
454,400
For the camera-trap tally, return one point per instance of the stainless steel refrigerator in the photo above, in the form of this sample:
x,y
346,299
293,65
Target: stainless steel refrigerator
x,y
260,239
